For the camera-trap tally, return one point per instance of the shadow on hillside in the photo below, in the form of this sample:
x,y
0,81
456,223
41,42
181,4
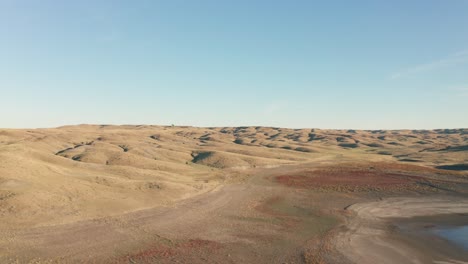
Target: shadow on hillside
x,y
457,167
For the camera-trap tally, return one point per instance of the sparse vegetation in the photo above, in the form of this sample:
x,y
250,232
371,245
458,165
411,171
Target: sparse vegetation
x,y
277,188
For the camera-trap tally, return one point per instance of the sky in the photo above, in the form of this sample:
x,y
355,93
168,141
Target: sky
x,y
373,64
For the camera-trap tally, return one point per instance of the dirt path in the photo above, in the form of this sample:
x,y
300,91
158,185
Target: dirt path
x,y
254,221
257,220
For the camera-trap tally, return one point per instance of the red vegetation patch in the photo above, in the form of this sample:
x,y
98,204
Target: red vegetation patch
x,y
355,178
164,251
287,215
352,179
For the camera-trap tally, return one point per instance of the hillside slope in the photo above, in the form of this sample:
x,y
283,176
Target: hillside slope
x,y
60,175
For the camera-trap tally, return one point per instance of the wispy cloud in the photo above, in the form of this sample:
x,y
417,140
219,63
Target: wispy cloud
x,y
461,53
451,60
109,37
462,91
275,107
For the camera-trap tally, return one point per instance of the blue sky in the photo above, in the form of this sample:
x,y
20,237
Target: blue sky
x,y
313,64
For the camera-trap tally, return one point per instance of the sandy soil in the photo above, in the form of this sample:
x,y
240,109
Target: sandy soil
x,y
367,237
151,194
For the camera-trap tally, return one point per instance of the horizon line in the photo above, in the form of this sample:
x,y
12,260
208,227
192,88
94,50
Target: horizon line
x,y
237,126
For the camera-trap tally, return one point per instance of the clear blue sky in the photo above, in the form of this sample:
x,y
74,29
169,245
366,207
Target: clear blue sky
x,y
323,64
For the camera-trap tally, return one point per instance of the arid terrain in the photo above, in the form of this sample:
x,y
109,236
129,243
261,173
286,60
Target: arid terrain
x,y
165,194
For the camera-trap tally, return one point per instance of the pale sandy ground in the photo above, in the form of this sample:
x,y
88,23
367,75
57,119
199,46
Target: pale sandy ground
x,y
228,216
102,193
366,238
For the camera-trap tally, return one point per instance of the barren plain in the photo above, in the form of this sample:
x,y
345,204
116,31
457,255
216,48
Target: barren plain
x,y
168,194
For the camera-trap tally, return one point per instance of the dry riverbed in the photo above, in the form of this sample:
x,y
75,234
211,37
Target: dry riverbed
x,y
397,230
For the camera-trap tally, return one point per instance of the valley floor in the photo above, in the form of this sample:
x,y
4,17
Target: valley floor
x,y
256,220
230,195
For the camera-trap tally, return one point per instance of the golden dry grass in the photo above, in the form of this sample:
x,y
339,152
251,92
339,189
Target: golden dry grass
x,y
60,175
